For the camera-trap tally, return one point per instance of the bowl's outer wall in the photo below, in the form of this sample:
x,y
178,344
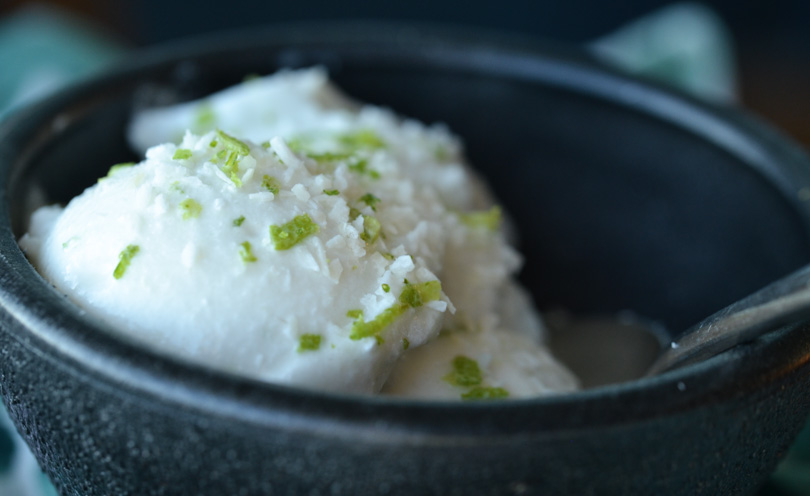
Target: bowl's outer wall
x,y
617,209
99,441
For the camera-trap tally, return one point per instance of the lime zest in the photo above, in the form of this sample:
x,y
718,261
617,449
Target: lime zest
x,y
361,167
246,253
293,232
485,393
375,326
191,208
441,153
331,192
371,229
271,184
239,220
67,244
231,168
362,139
309,342
296,144
386,288
465,372
265,144
329,156
370,200
234,149
181,154
426,291
124,259
405,344
232,144
204,117
487,219
416,295
115,168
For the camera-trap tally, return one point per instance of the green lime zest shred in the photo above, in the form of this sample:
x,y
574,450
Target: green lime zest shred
x,y
309,342
293,232
485,393
234,149
427,291
67,244
191,208
181,154
231,168
246,252
362,139
386,288
488,219
232,144
331,192
265,144
115,168
296,144
388,256
124,259
370,200
375,326
371,229
465,372
213,144
361,167
271,184
416,295
354,314
329,156
239,220
204,117
405,344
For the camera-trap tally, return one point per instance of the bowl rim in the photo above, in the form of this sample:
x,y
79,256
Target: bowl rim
x,y
52,327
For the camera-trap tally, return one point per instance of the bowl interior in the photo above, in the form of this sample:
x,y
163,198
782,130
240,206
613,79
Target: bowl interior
x,y
616,208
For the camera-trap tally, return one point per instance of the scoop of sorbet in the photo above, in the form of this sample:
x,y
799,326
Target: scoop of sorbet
x,y
318,251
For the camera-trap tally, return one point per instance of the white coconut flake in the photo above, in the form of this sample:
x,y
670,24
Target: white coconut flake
x,y
300,192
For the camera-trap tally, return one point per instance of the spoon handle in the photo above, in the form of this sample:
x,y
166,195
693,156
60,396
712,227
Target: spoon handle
x,y
781,302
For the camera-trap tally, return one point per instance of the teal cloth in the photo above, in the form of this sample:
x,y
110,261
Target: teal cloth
x,y
42,49
684,45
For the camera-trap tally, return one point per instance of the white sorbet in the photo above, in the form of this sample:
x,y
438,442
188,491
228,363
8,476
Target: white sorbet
x,y
298,238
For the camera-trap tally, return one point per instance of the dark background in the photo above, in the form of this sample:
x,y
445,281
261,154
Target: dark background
x,y
772,38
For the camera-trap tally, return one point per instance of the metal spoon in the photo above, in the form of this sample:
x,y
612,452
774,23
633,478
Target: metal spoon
x,y
781,302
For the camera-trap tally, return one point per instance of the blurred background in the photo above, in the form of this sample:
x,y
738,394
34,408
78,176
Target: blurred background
x,y
770,40
752,54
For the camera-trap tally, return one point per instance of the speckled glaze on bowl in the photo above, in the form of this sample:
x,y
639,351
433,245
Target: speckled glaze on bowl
x,y
627,196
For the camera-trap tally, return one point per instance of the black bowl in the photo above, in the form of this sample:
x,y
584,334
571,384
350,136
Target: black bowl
x,y
627,196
